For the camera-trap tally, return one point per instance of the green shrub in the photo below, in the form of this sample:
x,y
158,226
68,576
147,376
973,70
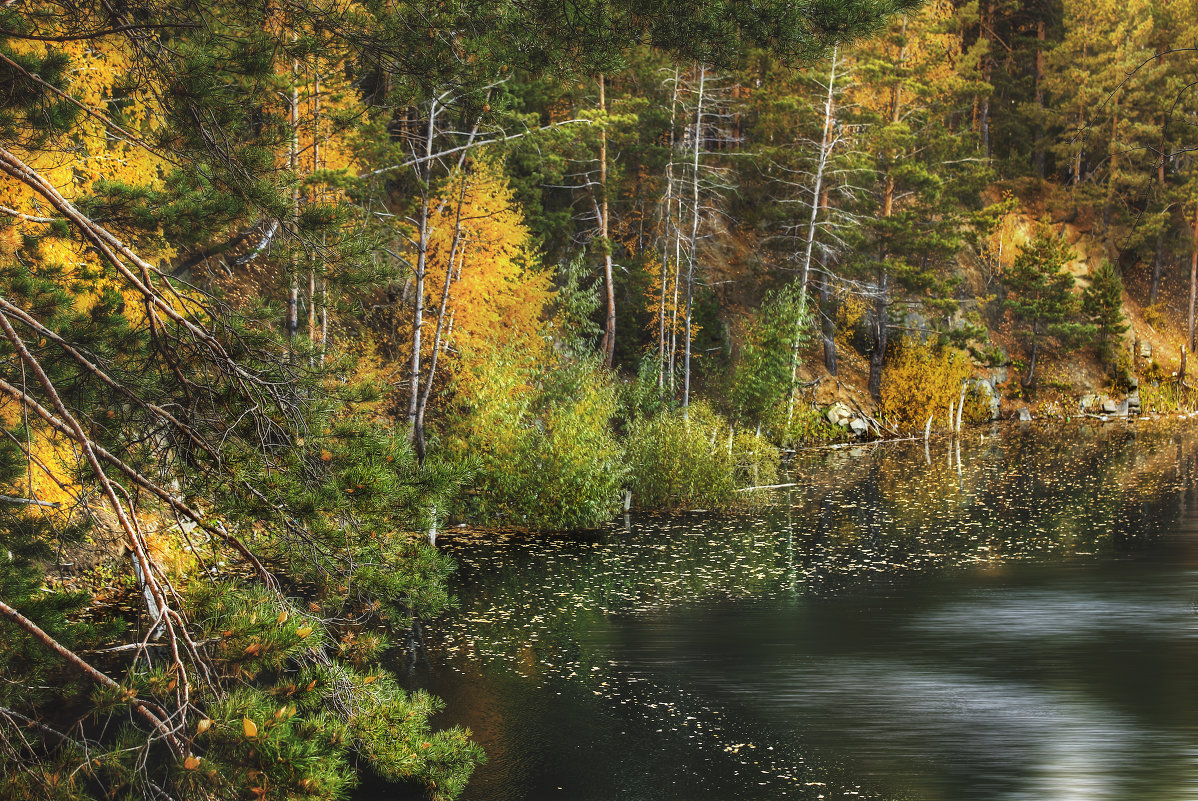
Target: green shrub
x,y
695,460
544,453
642,397
765,370
807,426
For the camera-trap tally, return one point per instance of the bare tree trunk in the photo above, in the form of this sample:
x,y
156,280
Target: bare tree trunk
x,y
1193,281
1159,257
827,323
674,307
827,143
293,164
987,66
1112,176
315,167
665,246
432,367
312,302
1157,266
608,343
1031,367
877,357
421,266
694,241
1081,127
1040,156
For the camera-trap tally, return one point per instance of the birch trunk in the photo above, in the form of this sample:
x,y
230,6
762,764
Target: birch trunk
x,y
825,151
665,246
608,345
432,367
694,239
293,164
421,265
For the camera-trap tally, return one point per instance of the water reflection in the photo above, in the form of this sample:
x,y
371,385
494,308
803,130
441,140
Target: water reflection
x,y
1016,622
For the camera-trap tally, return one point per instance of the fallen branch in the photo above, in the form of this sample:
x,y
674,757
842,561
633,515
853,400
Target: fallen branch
x,y
86,669
30,501
767,486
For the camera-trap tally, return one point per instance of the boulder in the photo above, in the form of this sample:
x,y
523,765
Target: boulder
x,y
1088,402
858,426
1024,415
1133,401
1145,349
1110,407
990,394
839,414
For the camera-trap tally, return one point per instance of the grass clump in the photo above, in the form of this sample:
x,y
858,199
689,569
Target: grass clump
x,y
694,460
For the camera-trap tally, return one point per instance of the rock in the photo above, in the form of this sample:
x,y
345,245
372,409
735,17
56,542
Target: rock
x,y
999,375
1133,383
1122,409
1145,349
858,426
987,391
839,414
1088,402
1133,400
917,323
1109,407
1024,415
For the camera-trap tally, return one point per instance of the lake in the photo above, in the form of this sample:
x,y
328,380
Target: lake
x,y
1009,618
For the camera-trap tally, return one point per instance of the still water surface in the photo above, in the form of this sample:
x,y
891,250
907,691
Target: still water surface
x,y
1014,621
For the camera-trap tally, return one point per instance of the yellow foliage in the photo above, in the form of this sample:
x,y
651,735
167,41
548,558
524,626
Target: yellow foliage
x,y
675,305
920,42
920,383
498,292
849,312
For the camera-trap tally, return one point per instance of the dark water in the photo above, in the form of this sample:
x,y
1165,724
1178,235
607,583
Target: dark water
x,y
1014,622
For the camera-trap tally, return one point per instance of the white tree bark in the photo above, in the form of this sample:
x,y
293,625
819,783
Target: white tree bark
x,y
694,240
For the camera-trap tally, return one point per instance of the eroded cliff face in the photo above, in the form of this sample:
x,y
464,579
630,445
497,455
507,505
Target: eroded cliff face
x,y
1070,380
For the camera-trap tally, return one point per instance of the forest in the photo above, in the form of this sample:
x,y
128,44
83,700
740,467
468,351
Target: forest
x,y
288,288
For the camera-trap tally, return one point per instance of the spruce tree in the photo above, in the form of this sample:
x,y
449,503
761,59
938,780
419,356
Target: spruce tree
x,y
1102,303
1041,296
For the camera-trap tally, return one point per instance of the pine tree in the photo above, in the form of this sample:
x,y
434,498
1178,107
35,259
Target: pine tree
x,y
1041,297
1100,107
914,88
1102,303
